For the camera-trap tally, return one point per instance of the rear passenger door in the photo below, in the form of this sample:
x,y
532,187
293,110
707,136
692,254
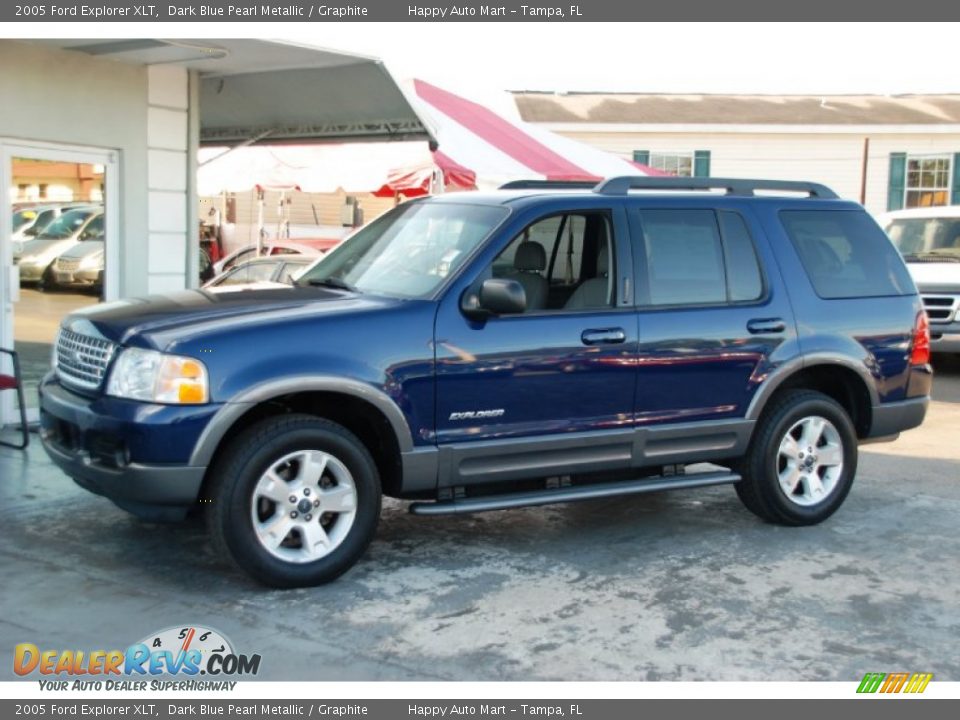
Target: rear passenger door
x,y
710,320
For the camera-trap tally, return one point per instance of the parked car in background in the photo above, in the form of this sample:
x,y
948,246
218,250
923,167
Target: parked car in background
x,y
37,254
82,265
929,240
305,246
29,221
275,271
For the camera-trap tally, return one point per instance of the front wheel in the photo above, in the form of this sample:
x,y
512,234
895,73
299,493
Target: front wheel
x,y
295,501
801,461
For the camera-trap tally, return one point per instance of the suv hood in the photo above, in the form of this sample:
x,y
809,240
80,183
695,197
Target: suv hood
x,y
935,275
161,319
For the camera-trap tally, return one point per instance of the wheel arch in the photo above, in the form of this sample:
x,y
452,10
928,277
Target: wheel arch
x,y
839,377
365,411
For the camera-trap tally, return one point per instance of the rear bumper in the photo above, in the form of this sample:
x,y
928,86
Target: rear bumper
x,y
891,419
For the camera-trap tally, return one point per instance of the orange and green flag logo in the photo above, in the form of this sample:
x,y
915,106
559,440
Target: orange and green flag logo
x,y
899,682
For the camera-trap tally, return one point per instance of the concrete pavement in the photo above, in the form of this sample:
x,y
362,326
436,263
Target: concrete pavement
x,y
682,586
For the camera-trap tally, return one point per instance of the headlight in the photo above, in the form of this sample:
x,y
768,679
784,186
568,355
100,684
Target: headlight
x,y
152,376
92,261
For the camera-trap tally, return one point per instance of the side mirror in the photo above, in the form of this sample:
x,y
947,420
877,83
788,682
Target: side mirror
x,y
497,296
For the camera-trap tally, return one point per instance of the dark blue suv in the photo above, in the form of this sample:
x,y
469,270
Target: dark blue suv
x,y
545,343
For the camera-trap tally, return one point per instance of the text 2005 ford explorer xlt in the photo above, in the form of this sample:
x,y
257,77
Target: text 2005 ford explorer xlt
x,y
484,351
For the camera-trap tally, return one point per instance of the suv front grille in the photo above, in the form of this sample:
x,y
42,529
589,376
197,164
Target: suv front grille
x,y
82,360
941,308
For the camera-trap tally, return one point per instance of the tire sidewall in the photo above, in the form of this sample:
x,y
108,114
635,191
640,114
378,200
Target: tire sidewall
x,y
798,514
234,502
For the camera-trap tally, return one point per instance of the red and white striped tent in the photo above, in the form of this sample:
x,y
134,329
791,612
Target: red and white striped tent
x,y
478,148
499,148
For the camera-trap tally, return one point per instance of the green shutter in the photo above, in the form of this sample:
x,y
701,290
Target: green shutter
x,y
955,181
641,156
701,163
897,183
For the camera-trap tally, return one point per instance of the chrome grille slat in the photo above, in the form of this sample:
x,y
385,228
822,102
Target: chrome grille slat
x,y
82,360
941,308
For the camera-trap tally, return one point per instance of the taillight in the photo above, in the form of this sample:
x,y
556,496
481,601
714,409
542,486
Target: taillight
x,y
920,355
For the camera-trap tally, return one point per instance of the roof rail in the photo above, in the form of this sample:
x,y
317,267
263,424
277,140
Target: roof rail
x,y
733,186
549,185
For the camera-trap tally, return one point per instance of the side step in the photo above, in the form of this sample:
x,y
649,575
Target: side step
x,y
570,494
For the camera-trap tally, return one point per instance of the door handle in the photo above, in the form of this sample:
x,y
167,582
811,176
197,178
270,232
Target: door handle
x,y
766,325
606,336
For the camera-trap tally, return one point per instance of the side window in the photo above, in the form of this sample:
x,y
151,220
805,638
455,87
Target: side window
x,y
568,262
744,282
562,261
684,257
846,254
699,257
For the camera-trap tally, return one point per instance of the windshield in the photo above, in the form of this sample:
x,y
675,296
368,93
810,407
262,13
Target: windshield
x,y
930,239
409,251
65,225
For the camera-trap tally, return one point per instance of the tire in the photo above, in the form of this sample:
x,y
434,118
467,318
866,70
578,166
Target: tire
x,y
820,479
280,534
46,283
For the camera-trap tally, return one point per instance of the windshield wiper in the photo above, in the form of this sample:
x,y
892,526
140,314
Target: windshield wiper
x,y
932,256
333,282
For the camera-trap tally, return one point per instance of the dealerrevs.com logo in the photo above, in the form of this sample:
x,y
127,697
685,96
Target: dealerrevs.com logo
x,y
178,651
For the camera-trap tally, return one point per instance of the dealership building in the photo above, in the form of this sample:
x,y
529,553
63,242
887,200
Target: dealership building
x,y
133,114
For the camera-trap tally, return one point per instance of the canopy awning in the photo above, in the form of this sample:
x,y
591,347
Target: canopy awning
x,y
478,149
257,91
500,149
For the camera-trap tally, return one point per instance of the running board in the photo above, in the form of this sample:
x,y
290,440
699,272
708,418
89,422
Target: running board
x,y
570,494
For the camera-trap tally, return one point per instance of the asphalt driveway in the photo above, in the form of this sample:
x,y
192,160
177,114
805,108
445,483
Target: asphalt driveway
x,y
683,586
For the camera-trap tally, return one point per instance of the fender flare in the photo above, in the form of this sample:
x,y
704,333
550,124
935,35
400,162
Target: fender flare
x,y
226,416
788,369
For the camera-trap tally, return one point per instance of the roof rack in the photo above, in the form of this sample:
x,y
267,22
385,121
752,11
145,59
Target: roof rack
x,y
733,186
549,185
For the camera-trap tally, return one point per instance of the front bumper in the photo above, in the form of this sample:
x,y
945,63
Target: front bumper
x,y
945,337
84,278
105,445
31,273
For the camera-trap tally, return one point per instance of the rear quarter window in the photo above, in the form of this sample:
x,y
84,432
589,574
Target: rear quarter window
x,y
846,254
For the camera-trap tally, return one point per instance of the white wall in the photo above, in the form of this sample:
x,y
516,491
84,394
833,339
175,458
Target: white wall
x,y
168,102
59,96
832,159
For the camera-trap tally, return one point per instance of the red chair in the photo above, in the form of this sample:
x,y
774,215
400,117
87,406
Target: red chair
x,y
15,382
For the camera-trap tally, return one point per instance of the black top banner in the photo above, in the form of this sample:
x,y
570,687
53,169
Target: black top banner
x,y
425,11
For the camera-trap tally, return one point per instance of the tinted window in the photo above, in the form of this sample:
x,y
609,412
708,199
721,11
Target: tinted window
x,y
846,254
744,282
684,257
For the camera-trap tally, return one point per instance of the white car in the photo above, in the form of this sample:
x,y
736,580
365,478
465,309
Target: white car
x,y
277,271
929,240
303,246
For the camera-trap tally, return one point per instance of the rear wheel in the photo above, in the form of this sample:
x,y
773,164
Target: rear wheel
x,y
296,501
801,461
